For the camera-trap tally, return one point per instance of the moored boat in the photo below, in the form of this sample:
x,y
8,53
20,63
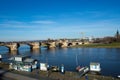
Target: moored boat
x,y
95,68
23,63
82,70
55,68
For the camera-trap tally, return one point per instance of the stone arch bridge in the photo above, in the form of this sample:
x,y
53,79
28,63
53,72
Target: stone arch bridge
x,y
36,45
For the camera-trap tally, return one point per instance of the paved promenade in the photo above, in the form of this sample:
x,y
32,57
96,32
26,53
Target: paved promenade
x,y
7,74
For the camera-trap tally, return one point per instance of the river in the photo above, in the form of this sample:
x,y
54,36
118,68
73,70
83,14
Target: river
x,y
109,58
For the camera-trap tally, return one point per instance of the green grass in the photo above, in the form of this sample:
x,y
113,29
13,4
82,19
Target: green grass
x,y
111,45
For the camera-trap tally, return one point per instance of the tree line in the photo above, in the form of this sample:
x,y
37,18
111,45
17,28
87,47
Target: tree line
x,y
108,39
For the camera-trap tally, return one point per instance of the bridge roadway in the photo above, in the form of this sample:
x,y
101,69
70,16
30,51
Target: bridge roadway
x,y
13,46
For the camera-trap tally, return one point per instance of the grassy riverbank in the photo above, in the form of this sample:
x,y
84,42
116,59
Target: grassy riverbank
x,y
95,45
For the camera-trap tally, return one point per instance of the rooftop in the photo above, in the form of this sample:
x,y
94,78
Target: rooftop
x,y
22,56
29,60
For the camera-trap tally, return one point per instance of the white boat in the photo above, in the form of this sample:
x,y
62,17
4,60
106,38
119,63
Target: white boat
x,y
82,70
43,67
95,68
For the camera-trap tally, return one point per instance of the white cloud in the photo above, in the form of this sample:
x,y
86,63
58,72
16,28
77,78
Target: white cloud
x,y
22,24
42,16
43,22
13,22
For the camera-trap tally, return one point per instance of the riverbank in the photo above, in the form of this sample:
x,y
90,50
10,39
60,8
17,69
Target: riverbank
x,y
67,76
96,45
48,75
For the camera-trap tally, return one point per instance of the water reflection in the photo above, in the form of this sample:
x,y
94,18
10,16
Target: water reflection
x,y
64,50
14,52
35,51
52,50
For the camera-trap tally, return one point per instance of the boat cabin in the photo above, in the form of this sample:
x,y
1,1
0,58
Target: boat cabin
x,y
95,67
32,62
20,58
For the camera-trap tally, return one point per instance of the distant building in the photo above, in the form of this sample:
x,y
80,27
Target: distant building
x,y
117,36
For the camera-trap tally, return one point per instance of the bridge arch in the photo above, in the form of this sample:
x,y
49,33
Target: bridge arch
x,y
69,44
31,45
4,49
24,47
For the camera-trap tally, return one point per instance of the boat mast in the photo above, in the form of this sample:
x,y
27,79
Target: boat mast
x,y
76,60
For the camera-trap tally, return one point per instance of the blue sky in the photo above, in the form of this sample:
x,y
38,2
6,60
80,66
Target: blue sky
x,y
43,19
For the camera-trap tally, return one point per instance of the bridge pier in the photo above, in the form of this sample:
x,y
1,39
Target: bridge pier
x,y
63,45
34,45
12,46
51,45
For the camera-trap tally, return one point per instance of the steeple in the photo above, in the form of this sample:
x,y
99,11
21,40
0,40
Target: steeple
x,y
117,34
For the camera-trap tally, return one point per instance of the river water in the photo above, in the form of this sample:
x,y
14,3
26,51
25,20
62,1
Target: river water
x,y
109,58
